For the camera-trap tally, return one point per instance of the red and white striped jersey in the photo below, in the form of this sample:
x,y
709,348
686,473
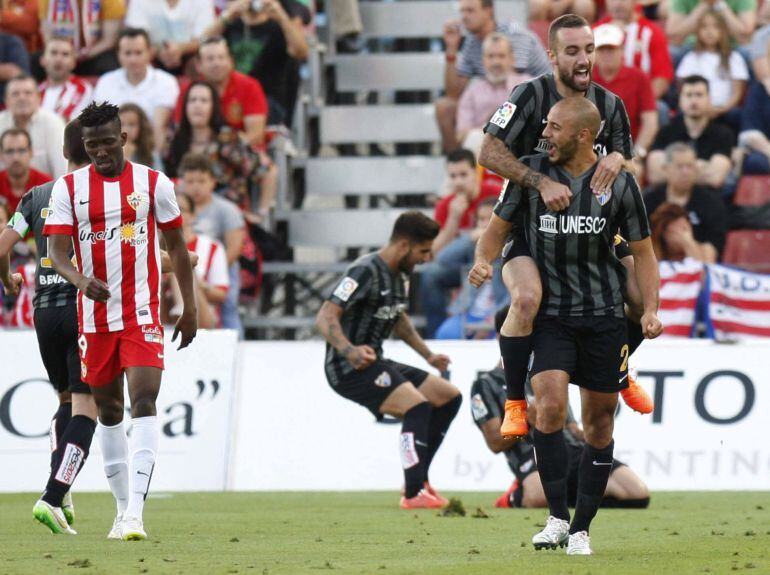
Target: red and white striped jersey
x,y
114,224
67,100
23,310
212,261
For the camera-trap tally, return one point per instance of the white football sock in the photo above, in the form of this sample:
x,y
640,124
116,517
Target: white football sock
x,y
144,446
114,444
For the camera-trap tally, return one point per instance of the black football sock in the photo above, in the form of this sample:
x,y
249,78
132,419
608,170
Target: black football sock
x,y
552,464
71,454
414,447
440,420
615,503
59,423
635,336
515,352
595,469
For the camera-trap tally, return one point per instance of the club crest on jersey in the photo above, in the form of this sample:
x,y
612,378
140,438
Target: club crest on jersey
x,y
548,224
603,197
134,200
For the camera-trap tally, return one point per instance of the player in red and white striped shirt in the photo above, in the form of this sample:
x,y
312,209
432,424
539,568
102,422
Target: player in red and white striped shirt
x,y
62,92
112,212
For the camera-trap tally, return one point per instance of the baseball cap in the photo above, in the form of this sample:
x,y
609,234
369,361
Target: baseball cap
x,y
608,35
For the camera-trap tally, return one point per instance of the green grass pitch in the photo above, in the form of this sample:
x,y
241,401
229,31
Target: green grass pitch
x,y
293,533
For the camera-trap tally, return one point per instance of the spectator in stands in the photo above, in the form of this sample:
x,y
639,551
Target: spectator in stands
x,y
673,238
18,175
20,18
478,19
14,59
484,93
62,92
758,50
472,306
91,25
238,172
211,278
704,206
244,104
645,45
754,137
219,219
551,9
712,141
455,214
724,68
138,82
22,102
682,22
631,84
140,140
269,45
174,26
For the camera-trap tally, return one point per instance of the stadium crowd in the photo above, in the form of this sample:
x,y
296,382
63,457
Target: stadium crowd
x,y
204,85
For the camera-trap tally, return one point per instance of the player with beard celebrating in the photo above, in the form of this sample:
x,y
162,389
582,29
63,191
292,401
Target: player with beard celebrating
x,y
516,130
580,332
369,303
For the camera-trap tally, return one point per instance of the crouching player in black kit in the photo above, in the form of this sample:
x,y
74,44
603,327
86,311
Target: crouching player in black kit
x,y
488,396
369,303
580,331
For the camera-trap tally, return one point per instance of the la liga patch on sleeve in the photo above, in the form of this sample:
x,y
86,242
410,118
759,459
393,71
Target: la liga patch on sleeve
x,y
346,288
503,115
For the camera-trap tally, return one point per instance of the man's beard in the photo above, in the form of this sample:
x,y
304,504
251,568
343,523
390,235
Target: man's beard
x,y
566,78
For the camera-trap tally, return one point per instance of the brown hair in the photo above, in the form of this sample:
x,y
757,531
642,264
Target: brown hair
x,y
145,141
723,46
666,214
564,21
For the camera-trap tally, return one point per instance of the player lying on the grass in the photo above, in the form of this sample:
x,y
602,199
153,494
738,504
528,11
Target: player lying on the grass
x,y
113,212
624,488
56,327
516,130
369,303
580,333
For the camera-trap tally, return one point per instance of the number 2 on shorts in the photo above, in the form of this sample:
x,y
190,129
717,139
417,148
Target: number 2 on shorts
x,y
624,355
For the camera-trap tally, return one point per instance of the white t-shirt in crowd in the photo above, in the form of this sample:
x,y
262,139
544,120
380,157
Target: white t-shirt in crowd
x,y
159,89
708,65
182,23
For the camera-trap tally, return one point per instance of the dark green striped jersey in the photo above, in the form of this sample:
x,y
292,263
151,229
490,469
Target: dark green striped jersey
x,y
574,248
520,121
51,290
488,402
373,299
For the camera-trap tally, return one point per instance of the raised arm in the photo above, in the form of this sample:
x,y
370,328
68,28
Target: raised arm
x,y
488,249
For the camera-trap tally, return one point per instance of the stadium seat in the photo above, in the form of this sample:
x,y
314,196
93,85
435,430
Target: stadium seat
x,y
405,123
752,191
398,175
381,72
748,249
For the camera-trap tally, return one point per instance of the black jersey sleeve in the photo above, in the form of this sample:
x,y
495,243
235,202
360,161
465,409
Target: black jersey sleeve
x,y
485,404
620,132
632,214
354,286
511,118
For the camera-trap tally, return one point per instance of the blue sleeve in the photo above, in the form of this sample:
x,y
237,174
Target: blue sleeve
x,y
16,53
752,117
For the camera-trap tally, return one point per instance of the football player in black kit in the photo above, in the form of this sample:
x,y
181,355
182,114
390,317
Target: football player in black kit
x,y
367,305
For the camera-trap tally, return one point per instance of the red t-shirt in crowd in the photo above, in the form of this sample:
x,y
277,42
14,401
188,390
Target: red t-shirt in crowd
x,y
645,47
243,96
35,179
488,190
635,89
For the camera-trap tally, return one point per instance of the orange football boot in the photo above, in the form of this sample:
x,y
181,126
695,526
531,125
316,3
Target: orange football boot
x,y
515,421
636,398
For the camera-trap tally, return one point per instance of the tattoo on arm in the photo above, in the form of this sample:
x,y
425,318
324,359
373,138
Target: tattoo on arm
x,y
532,179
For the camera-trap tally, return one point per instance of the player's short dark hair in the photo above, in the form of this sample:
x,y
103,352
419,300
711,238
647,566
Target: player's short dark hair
x,y
564,21
694,79
15,132
73,143
192,162
461,155
500,316
95,115
134,33
415,227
